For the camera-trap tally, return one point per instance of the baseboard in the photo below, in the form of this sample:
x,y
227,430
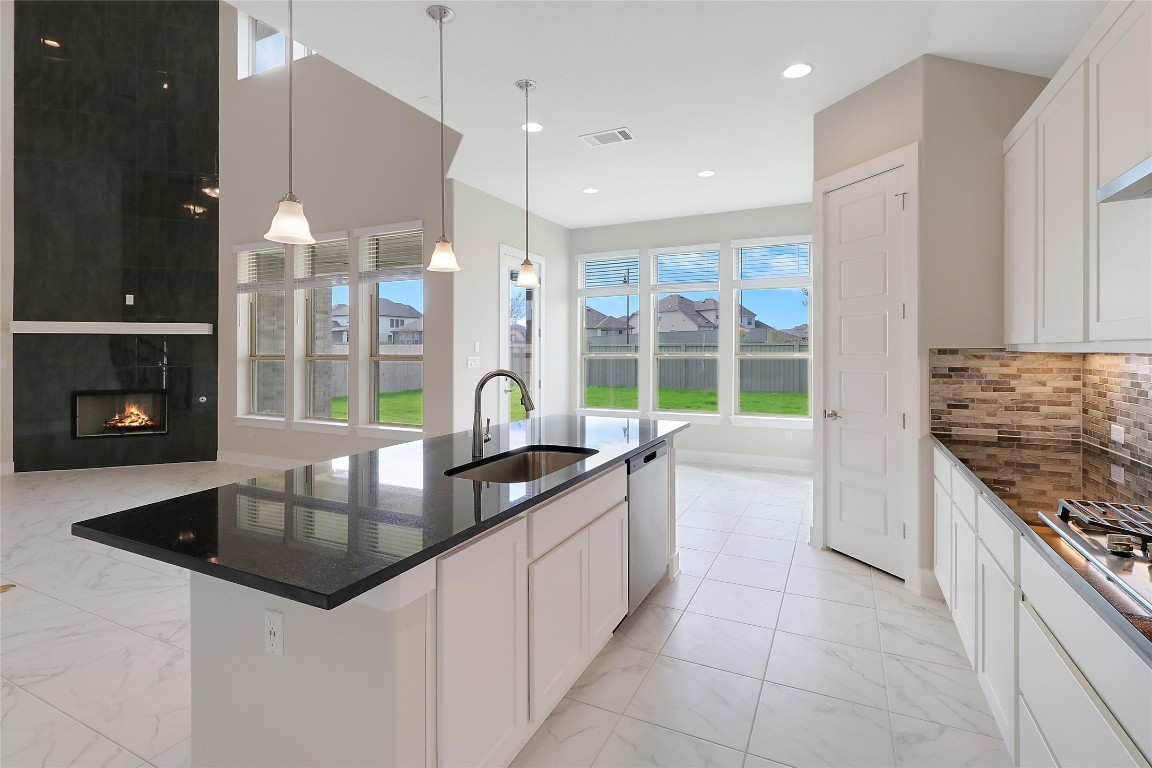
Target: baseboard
x,y
7,468
750,461
258,460
927,586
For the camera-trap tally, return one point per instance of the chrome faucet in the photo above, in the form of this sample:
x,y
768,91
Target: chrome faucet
x,y
481,436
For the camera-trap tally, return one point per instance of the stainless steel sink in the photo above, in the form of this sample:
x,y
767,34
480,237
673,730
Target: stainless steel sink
x,y
523,464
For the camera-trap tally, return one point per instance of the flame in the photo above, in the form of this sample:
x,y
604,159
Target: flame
x,y
133,417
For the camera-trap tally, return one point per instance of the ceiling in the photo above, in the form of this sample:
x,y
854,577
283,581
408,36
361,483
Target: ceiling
x,y
697,82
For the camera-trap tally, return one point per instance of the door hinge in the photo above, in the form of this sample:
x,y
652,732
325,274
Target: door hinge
x,y
903,421
904,530
903,196
903,311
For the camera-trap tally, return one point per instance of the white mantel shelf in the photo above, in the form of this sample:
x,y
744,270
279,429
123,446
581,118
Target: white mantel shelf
x,y
132,329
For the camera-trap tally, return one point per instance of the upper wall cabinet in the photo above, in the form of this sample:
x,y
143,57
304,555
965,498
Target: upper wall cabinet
x,y
1078,274
1120,133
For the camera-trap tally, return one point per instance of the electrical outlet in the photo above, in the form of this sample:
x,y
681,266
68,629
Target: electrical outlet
x,y
1117,473
274,632
473,362
1117,433
129,299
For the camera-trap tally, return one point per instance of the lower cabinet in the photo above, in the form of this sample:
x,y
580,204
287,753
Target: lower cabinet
x,y
1034,752
997,597
964,606
482,649
942,545
607,575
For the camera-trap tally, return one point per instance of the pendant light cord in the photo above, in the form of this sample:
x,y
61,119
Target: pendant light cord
x,y
291,51
527,133
443,181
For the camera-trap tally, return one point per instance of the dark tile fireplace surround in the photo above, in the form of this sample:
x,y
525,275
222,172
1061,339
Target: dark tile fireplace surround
x,y
115,137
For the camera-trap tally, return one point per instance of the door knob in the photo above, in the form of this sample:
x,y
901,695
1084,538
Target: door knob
x,y
830,414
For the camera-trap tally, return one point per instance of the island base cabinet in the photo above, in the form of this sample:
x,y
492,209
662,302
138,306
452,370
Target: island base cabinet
x,y
558,624
607,575
349,690
482,639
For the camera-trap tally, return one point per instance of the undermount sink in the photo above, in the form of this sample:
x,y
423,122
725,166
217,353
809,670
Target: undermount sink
x,y
521,465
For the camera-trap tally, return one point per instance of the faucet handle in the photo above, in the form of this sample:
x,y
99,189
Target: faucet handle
x,y
488,431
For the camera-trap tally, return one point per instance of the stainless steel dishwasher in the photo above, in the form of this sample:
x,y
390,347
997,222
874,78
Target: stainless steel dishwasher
x,y
647,522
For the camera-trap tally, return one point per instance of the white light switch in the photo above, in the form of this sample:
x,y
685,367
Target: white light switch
x,y
473,362
1117,433
129,299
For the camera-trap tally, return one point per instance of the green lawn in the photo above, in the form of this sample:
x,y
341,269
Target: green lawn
x,y
405,407
624,398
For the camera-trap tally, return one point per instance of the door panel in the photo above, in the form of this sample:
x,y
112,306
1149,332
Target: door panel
x,y
864,263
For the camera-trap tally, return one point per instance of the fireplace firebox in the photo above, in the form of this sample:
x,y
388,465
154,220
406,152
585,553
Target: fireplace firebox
x,y
119,413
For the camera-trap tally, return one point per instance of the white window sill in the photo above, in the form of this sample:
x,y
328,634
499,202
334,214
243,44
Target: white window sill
x,y
386,432
613,412
691,418
263,422
321,427
774,422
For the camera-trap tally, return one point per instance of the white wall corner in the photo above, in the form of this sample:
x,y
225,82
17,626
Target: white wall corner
x,y
7,468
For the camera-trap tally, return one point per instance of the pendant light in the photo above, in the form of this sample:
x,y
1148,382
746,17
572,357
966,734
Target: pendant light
x,y
443,258
289,225
527,277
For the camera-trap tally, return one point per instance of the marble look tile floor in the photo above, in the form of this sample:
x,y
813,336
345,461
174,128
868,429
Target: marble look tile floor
x,y
768,652
765,652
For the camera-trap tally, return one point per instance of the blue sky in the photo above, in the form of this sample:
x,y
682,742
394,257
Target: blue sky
x,y
404,291
778,307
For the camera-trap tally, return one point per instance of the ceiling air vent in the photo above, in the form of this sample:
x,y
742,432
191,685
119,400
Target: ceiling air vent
x,y
614,136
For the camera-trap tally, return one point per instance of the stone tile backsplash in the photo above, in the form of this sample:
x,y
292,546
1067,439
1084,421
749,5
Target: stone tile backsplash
x,y
986,393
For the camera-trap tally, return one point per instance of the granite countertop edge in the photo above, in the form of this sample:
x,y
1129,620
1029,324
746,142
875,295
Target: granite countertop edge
x,y
1124,627
328,601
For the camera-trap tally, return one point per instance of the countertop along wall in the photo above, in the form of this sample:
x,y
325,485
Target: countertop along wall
x,y
778,447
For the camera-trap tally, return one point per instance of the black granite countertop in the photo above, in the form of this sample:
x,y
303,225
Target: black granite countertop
x,y
324,533
1031,476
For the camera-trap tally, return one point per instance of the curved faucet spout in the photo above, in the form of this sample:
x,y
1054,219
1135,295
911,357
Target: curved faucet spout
x,y
480,435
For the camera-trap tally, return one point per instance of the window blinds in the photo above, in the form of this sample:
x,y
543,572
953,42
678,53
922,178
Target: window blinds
x,y
322,265
259,271
766,261
699,267
392,256
609,273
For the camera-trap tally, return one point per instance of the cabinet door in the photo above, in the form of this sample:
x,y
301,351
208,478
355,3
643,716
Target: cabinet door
x,y
1034,752
558,622
996,660
964,582
482,634
607,575
1020,240
1120,92
1061,136
943,541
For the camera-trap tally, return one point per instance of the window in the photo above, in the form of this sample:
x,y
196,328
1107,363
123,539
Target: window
x,y
610,341
773,356
262,48
260,285
392,264
687,331
322,276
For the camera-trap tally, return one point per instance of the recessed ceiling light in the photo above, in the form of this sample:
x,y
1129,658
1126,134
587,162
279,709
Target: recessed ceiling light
x,y
706,174
797,70
532,127
590,190
49,43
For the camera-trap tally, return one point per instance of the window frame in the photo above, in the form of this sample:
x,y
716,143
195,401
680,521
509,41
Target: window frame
x,y
247,293
582,295
761,283
310,356
657,289
246,46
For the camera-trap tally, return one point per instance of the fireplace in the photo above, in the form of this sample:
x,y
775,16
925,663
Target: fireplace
x,y
120,413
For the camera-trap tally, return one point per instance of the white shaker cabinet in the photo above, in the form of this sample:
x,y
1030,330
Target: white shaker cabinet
x,y
964,586
1034,751
607,575
558,627
1061,156
482,640
1120,133
997,596
1020,255
943,541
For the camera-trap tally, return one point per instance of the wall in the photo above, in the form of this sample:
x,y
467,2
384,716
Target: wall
x,y
482,223
784,447
114,136
362,158
990,394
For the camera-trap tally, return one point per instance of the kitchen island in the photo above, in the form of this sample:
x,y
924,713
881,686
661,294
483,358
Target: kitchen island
x,y
458,611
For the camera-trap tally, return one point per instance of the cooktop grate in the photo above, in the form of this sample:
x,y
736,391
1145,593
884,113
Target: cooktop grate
x,y
1132,519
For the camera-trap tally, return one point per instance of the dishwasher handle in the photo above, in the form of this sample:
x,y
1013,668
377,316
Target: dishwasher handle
x,y
637,462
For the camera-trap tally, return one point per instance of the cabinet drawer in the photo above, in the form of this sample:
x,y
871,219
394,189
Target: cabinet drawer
x,y
1121,678
558,519
964,496
998,536
1075,725
942,469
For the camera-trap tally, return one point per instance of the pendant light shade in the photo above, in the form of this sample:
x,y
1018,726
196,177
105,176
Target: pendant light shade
x,y
526,277
443,257
290,225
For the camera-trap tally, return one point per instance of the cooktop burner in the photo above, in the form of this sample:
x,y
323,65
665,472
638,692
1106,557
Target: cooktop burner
x,y
1133,520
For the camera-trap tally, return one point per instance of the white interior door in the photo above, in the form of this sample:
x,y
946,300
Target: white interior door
x,y
521,334
863,321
